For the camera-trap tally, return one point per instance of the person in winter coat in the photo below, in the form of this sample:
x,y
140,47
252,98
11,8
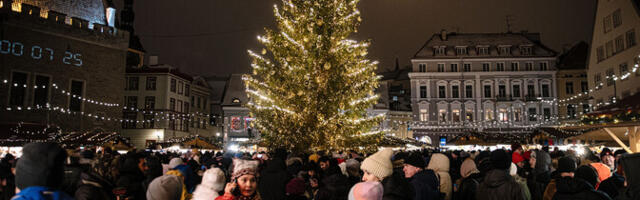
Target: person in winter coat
x,y
154,170
379,168
273,180
333,184
498,184
244,183
131,177
513,171
471,179
566,168
369,190
613,184
213,182
540,176
425,182
166,187
440,164
40,171
629,164
580,186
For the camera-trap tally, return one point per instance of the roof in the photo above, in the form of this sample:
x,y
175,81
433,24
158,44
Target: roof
x,y
160,69
493,40
574,58
90,10
234,89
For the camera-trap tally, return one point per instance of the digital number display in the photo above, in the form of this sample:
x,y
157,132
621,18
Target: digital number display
x,y
37,53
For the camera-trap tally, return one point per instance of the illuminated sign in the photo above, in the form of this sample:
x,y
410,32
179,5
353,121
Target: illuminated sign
x,y
37,53
443,141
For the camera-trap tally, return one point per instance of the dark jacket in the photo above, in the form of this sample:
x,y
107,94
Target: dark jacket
x,y
612,185
396,187
499,185
273,180
630,163
426,185
540,176
93,187
468,187
568,188
334,186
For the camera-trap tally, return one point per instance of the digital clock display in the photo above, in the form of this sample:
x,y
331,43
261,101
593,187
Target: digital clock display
x,y
37,53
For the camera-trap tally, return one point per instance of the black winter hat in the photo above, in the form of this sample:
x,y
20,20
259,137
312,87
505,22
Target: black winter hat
x,y
587,173
500,159
416,160
566,164
41,164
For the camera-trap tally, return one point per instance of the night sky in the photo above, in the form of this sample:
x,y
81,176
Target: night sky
x,y
210,37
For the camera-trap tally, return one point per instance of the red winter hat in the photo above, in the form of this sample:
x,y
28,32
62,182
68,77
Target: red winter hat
x,y
516,158
527,155
295,187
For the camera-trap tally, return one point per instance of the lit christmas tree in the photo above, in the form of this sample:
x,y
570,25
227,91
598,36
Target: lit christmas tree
x,y
311,86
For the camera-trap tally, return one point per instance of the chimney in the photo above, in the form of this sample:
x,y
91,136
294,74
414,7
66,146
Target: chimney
x,y
153,60
443,35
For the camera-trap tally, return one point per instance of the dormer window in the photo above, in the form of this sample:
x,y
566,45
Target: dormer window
x,y
483,50
525,50
505,50
441,50
235,100
461,50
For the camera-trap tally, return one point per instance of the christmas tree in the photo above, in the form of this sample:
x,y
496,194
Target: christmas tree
x,y
311,85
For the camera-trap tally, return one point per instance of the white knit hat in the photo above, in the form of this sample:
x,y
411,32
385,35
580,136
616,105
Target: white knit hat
x,y
213,181
379,164
175,162
242,167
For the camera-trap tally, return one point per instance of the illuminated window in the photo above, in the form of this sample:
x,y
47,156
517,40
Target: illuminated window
x,y
235,100
517,115
442,116
424,115
488,114
44,13
16,6
502,115
468,114
455,115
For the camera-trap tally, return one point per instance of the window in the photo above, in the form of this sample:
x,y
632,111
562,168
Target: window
x,y
543,66
442,116
609,48
547,113
610,74
483,50
517,115
41,91
631,38
149,121
151,83
424,115
617,19
486,67
442,92
204,103
502,91
172,104
467,67
597,79
585,108
488,114
516,90
198,102
441,50
531,91
180,87
186,107
505,51
187,89
600,53
487,91
584,86
173,85
468,90
607,23
499,67
133,83
454,67
461,50
455,91
455,115
422,67
179,104
619,44
131,102
525,50
532,115
18,89
571,111
236,100
569,87
502,115
75,104
528,66
514,66
623,68
193,101
545,90
440,67
129,120
150,102
468,114
423,91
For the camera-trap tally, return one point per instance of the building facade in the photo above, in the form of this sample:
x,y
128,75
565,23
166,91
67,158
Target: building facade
x,y
162,103
236,118
572,84
61,66
472,82
614,58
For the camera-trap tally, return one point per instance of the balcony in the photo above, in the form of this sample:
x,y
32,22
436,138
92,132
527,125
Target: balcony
x,y
504,98
531,98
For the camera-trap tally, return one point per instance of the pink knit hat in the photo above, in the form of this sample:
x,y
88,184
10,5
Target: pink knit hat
x,y
371,190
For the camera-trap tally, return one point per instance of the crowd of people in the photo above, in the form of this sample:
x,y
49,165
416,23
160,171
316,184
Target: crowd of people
x,y
48,171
